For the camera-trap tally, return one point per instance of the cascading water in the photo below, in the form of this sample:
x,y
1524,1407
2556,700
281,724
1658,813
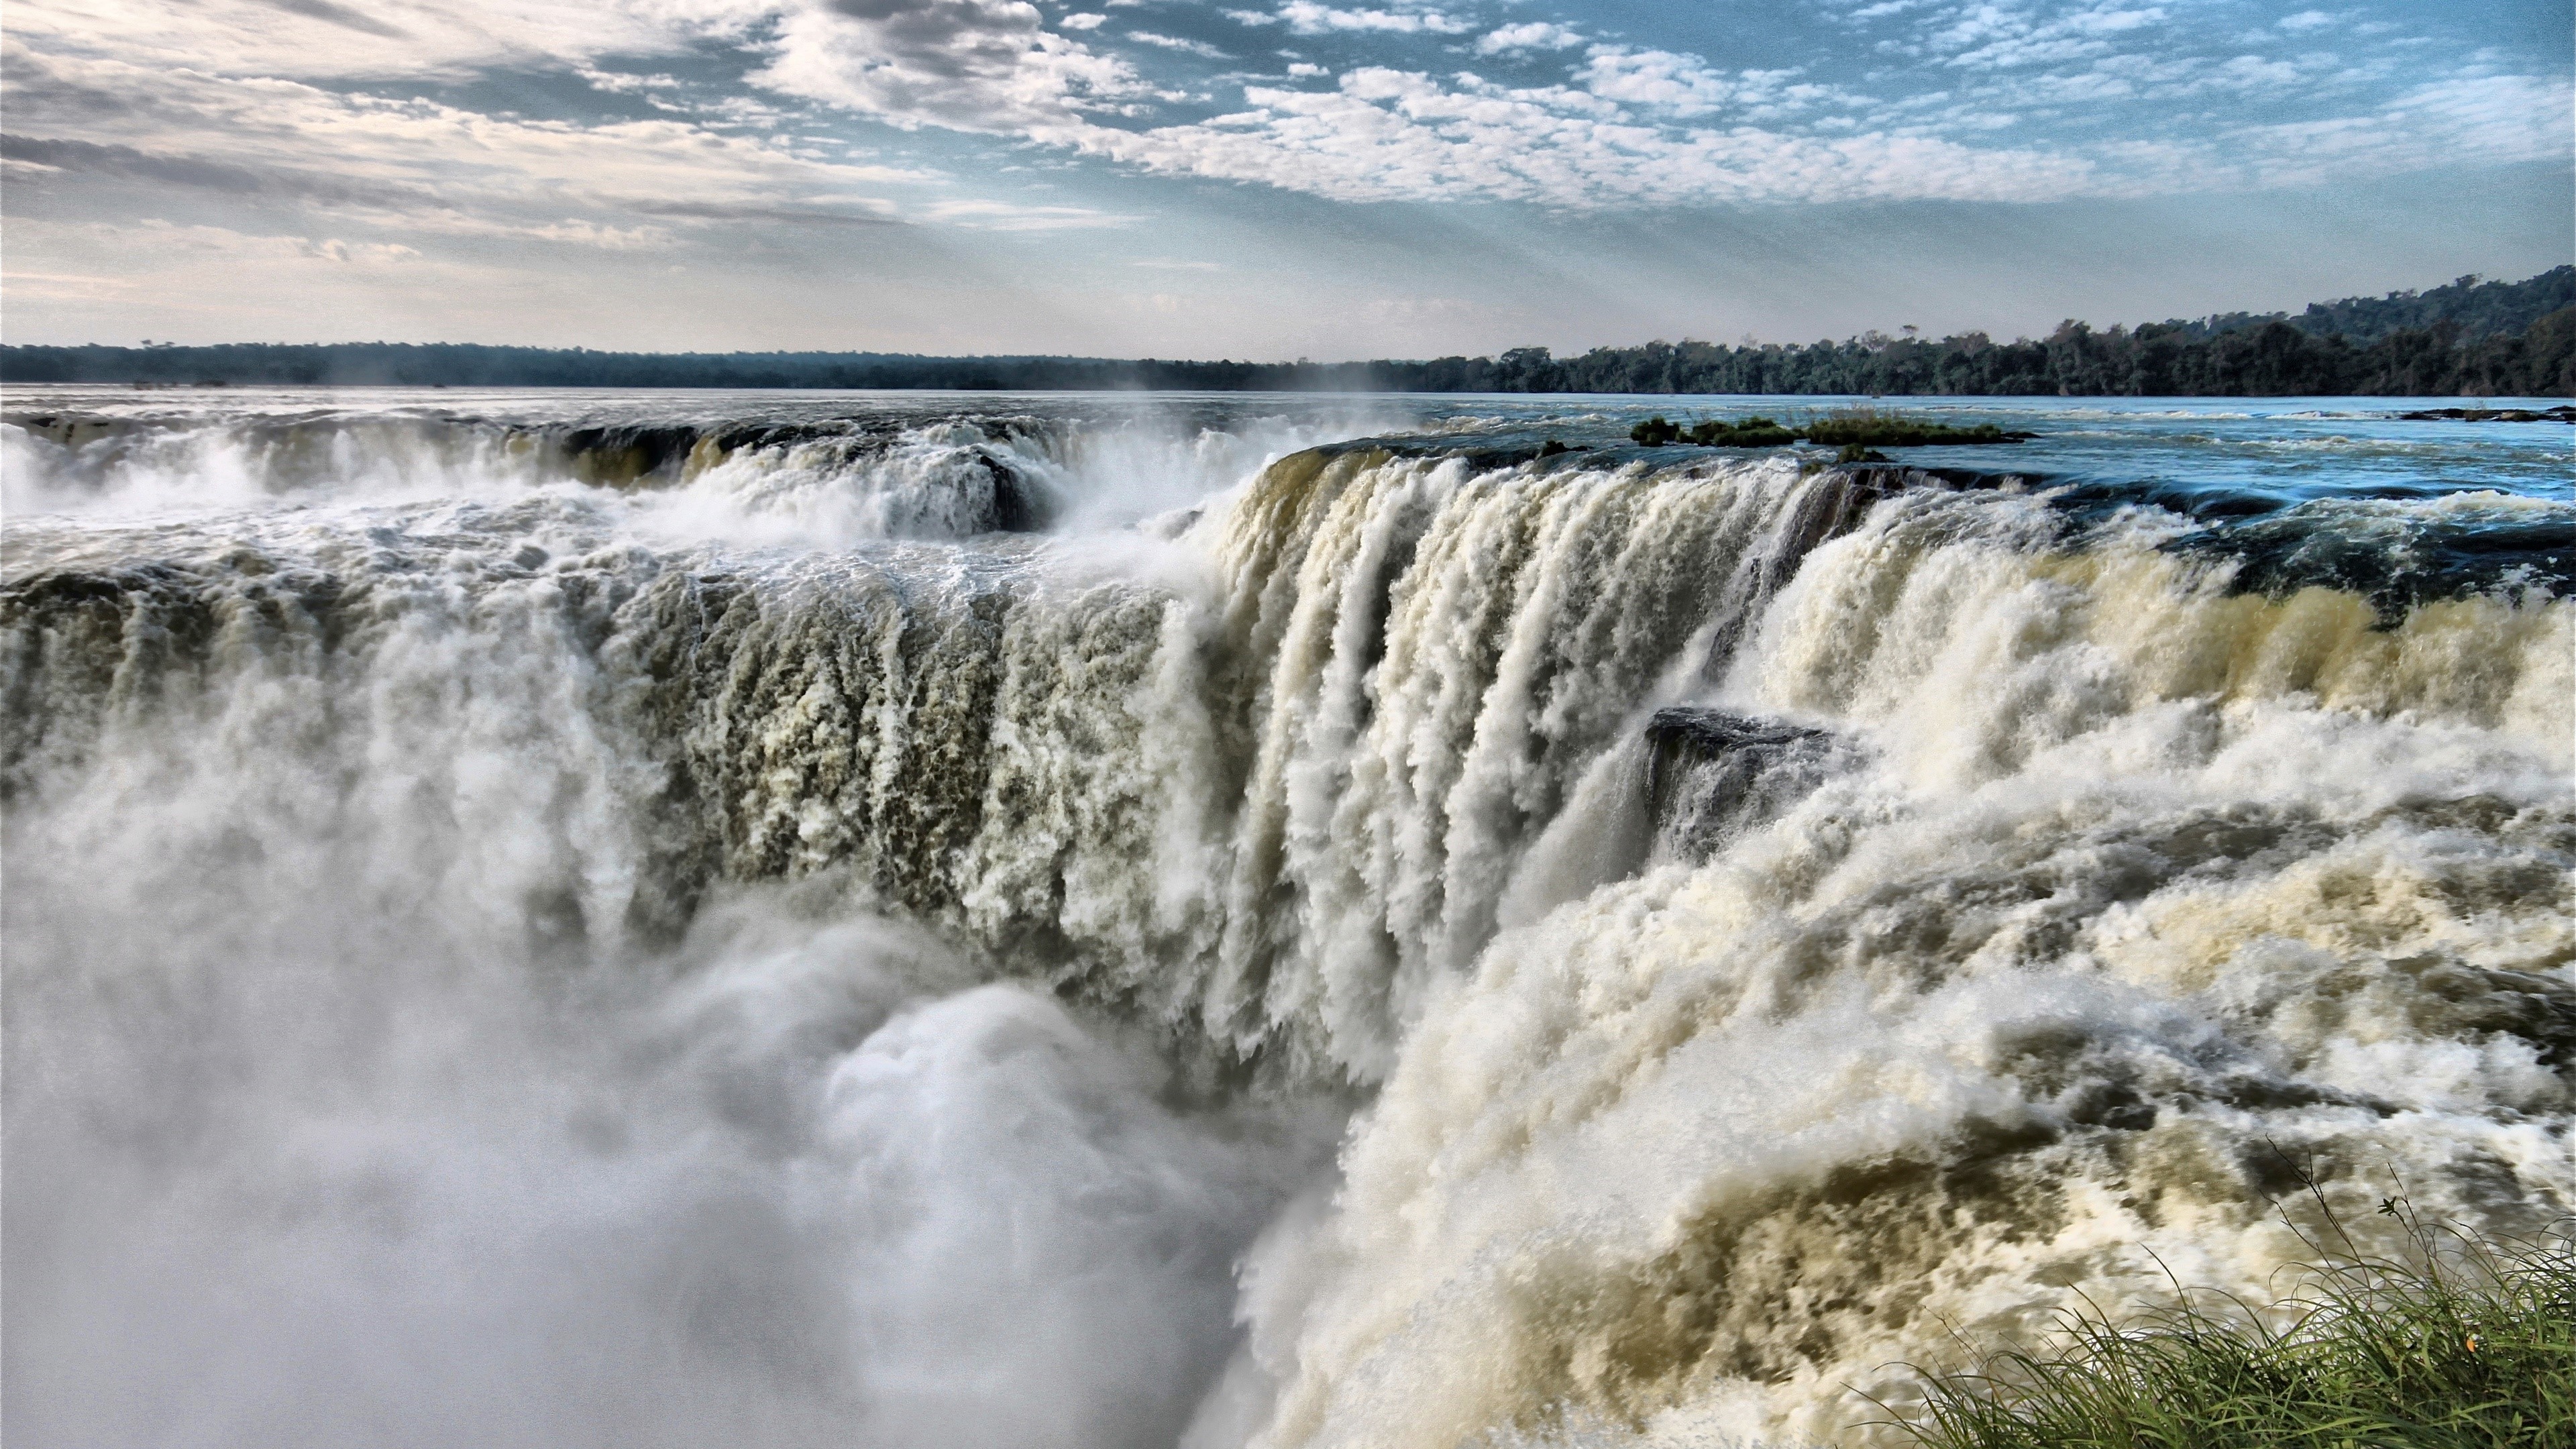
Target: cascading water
x,y
1127,921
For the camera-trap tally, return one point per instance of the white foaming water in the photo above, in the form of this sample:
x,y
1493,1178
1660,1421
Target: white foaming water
x,y
764,473
624,935
2149,893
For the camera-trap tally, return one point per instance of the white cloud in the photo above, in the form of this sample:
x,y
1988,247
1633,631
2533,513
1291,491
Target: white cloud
x,y
572,231
1681,84
1305,17
1685,86
1174,42
1625,125
410,166
967,65
377,38
1988,37
227,242
2304,21
617,83
989,215
1536,35
2252,72
2459,121
1388,135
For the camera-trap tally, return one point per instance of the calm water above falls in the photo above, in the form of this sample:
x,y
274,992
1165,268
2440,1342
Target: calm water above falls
x,y
1020,920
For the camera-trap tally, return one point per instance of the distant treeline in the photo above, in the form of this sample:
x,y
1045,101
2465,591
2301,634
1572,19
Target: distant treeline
x,y
2481,308
2468,339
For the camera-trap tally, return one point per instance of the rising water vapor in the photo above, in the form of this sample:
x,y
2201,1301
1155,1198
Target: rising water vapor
x,y
1027,925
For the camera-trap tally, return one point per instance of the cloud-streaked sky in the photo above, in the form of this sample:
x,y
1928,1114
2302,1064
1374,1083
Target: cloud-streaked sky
x,y
1265,178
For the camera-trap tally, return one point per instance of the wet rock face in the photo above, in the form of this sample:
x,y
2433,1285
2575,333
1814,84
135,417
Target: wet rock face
x,y
1711,774
1019,505
625,456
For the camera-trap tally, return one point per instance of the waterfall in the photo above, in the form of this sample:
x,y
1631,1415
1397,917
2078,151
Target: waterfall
x,y
919,926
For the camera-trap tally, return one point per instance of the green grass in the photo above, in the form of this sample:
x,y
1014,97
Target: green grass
x,y
2459,1340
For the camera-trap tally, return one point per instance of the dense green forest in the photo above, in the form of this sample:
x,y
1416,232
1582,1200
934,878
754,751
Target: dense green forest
x,y
2481,308
2470,339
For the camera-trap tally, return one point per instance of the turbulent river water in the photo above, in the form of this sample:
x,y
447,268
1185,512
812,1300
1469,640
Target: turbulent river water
x,y
595,918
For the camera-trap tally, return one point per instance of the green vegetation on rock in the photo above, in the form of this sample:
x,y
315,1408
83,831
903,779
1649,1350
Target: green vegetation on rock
x,y
1853,430
1870,428
1742,433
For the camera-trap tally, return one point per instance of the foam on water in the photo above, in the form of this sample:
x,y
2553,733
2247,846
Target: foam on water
x,y
2149,895
612,920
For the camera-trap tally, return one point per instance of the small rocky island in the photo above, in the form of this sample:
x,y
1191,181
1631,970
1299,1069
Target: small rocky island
x,y
1854,430
2561,414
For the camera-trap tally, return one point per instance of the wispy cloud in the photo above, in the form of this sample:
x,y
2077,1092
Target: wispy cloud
x,y
1998,100
413,170
1305,17
1174,42
1390,135
1531,35
990,215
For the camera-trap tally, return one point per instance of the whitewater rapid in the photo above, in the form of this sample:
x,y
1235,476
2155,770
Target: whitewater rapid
x,y
628,918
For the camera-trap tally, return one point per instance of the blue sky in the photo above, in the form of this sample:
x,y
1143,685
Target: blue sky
x,y
1254,178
